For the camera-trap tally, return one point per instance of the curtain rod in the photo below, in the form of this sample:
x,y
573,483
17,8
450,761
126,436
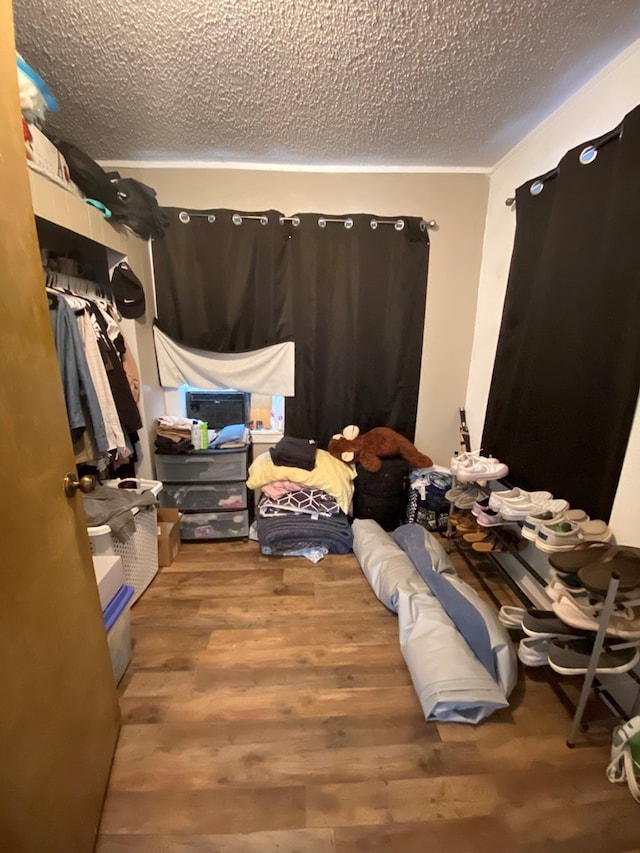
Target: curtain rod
x,y
586,156
238,218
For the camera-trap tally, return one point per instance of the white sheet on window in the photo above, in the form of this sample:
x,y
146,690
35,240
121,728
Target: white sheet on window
x,y
265,371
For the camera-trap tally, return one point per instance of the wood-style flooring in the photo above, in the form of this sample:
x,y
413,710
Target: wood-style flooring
x,y
267,709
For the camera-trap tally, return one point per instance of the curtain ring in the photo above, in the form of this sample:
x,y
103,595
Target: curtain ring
x,y
183,216
322,222
373,224
264,220
295,221
236,219
399,224
348,223
588,155
211,217
536,188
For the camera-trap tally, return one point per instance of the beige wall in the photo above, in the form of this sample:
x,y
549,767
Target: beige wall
x,y
139,335
457,201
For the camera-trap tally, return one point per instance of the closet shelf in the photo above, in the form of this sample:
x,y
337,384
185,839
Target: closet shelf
x,y
56,205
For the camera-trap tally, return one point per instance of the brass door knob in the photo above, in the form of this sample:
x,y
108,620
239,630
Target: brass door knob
x,y
85,484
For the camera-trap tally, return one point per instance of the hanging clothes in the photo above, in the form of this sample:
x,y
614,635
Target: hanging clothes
x,y
79,392
120,388
126,357
115,435
103,423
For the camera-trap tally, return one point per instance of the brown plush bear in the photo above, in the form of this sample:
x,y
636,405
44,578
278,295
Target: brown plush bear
x,y
369,447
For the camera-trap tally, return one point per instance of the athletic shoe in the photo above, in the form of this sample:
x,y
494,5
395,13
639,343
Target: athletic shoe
x,y
532,523
533,651
572,657
479,469
565,535
511,617
544,624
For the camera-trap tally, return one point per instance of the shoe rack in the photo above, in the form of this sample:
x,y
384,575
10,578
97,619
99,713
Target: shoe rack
x,y
591,674
591,682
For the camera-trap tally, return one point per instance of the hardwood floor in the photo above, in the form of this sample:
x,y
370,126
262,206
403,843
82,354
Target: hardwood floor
x,y
267,708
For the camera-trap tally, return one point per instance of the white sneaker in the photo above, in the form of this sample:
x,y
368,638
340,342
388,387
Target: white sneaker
x,y
518,508
462,458
511,617
479,469
534,651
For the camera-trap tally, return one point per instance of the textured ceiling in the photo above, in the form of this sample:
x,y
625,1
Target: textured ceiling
x,y
318,82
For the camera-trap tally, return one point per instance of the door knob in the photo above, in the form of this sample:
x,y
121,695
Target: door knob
x,y
86,484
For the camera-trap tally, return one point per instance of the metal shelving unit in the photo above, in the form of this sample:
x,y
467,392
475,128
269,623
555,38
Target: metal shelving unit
x,y
590,679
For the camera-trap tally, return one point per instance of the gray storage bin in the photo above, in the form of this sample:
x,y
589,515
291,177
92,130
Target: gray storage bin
x,y
203,466
214,525
212,496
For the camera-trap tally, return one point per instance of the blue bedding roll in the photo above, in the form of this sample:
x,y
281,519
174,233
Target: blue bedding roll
x,y
451,683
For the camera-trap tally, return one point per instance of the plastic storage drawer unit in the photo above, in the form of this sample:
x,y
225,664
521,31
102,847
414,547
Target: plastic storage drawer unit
x,y
202,466
214,525
210,488
209,497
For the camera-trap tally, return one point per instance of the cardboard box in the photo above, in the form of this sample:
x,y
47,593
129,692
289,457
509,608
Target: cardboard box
x,y
168,535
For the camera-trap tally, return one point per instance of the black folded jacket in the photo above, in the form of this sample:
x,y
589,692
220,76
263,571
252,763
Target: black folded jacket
x,y
295,453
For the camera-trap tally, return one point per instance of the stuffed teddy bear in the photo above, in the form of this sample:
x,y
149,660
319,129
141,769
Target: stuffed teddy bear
x,y
370,447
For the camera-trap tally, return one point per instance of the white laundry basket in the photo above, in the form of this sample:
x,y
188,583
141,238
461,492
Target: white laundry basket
x,y
139,554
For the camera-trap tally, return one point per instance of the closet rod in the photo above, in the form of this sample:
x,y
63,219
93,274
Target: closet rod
x,y
238,218
76,286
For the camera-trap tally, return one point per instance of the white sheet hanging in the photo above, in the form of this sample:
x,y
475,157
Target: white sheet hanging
x,y
264,371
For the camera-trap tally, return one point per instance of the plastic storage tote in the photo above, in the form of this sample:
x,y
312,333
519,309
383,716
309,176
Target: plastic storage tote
x,y
117,623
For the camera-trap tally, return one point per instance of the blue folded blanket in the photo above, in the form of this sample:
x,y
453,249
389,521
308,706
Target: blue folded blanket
x,y
234,433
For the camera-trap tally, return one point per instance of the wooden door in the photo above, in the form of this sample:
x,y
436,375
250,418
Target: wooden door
x,y
59,714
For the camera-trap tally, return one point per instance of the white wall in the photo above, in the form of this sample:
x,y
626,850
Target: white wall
x,y
594,109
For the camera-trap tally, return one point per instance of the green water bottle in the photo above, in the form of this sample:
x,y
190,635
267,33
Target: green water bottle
x,y
205,435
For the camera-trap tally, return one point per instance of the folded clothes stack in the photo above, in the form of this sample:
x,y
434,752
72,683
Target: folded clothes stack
x,y
173,435
303,510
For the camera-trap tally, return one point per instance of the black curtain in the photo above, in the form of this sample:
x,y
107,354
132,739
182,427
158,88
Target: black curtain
x,y
358,302
220,286
352,299
567,368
